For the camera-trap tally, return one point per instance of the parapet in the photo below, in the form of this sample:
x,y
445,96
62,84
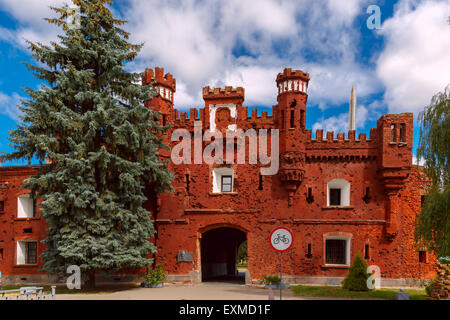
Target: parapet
x,y
340,138
224,93
166,80
292,81
288,73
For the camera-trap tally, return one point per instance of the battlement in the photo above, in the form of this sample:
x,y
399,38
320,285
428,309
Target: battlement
x,y
292,81
224,93
159,77
288,73
340,137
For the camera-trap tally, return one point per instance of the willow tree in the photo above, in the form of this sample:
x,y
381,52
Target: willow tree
x,y
88,118
433,223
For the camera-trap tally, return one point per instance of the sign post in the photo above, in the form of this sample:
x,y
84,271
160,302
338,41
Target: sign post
x,y
281,240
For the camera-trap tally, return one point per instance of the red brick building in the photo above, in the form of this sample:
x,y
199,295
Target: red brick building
x,y
339,195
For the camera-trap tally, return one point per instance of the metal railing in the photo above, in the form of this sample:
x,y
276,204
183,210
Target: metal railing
x,y
28,293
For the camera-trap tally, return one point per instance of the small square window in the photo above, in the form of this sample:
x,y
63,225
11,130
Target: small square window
x,y
335,197
227,184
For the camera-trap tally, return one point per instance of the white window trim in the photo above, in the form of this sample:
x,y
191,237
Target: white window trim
x,y
347,249
24,211
217,179
342,184
21,252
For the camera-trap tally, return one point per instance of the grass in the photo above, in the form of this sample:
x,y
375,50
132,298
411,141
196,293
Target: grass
x,y
242,265
62,289
338,292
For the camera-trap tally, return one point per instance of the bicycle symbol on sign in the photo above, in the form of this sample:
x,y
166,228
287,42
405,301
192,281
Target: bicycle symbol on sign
x,y
281,238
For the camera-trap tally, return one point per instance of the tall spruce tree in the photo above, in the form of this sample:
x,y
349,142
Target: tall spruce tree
x,y
89,120
433,223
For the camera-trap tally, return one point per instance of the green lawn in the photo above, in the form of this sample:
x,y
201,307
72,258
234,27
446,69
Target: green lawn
x,y
338,292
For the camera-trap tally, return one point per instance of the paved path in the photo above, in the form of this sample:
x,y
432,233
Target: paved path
x,y
203,291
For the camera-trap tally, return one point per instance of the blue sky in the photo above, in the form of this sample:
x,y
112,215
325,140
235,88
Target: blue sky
x,y
396,68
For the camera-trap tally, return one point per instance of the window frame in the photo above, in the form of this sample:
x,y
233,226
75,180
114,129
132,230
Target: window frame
x,y
347,252
344,186
20,206
25,252
217,174
222,184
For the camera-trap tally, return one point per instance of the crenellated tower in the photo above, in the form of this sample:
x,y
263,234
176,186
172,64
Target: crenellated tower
x,y
395,139
291,120
222,106
163,100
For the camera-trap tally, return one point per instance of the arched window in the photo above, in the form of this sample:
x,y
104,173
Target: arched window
x,y
338,193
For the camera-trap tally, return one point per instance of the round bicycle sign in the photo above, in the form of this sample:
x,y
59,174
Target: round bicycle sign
x,y
281,239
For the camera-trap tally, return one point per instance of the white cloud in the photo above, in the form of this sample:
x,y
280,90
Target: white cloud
x,y
196,41
9,105
30,14
415,62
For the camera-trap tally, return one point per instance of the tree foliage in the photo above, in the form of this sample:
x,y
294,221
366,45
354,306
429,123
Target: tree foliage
x,y
356,280
88,118
433,223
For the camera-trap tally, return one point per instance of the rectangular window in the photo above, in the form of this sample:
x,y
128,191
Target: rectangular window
x,y
422,256
393,133
366,252
1,253
335,197
260,187
2,206
308,253
292,118
26,252
402,132
336,251
227,184
302,118
188,180
26,206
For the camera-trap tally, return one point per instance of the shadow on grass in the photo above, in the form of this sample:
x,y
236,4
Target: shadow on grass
x,y
338,292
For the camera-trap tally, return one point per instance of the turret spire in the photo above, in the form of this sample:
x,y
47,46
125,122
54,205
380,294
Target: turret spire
x,y
352,111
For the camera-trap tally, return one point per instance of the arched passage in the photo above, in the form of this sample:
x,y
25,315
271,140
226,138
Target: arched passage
x,y
219,250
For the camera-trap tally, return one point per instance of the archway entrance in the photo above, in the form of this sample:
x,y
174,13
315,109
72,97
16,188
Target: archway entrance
x,y
219,254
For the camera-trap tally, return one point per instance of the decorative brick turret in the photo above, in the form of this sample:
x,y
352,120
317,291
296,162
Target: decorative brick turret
x,y
292,97
395,139
222,106
163,100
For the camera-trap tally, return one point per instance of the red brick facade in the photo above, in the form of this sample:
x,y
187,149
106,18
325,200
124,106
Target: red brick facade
x,y
376,218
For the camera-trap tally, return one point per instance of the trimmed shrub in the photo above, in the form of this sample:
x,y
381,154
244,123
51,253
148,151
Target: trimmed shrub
x,y
356,279
271,280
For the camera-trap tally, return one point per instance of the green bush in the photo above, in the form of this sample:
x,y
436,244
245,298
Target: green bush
x,y
430,286
356,279
156,275
271,280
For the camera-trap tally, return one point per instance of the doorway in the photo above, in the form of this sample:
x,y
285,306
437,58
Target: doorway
x,y
219,254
